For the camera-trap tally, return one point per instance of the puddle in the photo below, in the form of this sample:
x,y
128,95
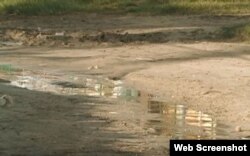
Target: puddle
x,y
183,123
67,85
9,43
173,120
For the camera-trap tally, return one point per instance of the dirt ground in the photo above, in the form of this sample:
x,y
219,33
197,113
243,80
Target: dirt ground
x,y
179,58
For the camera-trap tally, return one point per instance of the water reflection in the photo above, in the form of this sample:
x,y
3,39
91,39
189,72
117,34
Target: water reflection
x,y
66,85
179,121
173,120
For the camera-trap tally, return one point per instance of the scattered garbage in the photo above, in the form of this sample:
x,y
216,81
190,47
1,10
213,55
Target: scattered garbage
x,y
6,100
59,34
93,67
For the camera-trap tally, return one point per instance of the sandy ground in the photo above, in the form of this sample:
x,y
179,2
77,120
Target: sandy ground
x,y
175,57
45,124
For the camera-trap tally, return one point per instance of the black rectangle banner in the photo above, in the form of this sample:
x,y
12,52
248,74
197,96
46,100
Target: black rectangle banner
x,y
211,147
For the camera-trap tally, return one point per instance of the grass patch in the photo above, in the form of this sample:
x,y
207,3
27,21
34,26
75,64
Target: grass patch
x,y
6,68
238,32
38,7
45,7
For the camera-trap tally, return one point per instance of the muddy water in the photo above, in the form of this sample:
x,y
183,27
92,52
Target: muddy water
x,y
173,120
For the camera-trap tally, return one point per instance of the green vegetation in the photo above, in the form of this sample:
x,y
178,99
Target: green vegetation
x,y
6,68
239,32
37,7
44,7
